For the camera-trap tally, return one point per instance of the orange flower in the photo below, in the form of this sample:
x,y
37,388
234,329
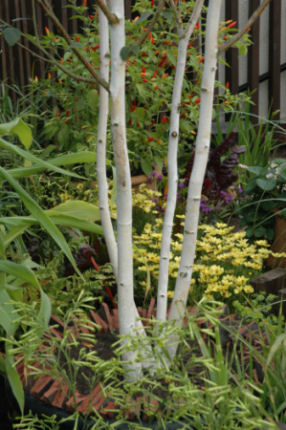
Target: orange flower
x,y
164,119
233,24
84,3
227,84
47,31
165,75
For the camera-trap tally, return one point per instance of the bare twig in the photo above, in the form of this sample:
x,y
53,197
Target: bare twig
x,y
48,58
59,65
177,14
66,36
109,15
256,14
152,23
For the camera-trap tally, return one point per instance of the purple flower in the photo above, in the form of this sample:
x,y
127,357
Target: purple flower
x,y
159,177
154,174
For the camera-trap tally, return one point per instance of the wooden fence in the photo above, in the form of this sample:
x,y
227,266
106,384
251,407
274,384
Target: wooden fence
x,y
263,71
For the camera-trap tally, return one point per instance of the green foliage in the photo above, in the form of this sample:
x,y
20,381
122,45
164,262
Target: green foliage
x,y
266,196
149,84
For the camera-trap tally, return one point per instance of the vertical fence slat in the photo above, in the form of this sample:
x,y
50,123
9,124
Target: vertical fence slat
x,y
4,69
127,4
231,73
20,50
28,68
9,51
253,59
274,55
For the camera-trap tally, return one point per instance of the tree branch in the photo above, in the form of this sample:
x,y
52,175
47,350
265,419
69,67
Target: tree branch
x,y
48,10
152,23
109,15
256,14
177,15
59,65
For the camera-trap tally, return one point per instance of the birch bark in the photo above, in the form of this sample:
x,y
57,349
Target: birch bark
x,y
197,176
184,36
101,144
126,308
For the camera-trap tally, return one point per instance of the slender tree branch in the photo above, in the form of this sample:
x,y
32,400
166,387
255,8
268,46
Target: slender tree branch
x,y
152,23
109,15
59,65
177,14
50,58
62,30
256,14
194,17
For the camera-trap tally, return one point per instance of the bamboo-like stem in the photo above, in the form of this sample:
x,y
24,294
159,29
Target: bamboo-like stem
x,y
126,309
256,14
184,37
48,10
181,292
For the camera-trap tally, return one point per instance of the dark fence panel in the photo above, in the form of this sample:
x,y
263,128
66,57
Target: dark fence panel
x,y
18,65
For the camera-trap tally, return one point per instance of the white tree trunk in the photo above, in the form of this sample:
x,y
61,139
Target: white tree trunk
x,y
101,144
198,172
184,36
126,309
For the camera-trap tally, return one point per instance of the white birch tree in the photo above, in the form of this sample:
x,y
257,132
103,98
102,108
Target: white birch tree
x,y
198,172
112,21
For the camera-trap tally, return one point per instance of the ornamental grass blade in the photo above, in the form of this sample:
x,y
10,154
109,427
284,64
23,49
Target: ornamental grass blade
x,y
76,209
22,272
64,160
15,381
28,156
41,217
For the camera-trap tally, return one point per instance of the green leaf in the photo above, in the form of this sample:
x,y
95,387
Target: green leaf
x,y
12,35
159,161
19,271
92,99
42,217
76,209
45,309
146,166
125,52
15,381
260,231
28,156
20,128
266,184
144,16
64,160
20,224
257,170
7,315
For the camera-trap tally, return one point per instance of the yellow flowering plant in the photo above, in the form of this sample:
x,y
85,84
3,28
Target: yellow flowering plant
x,y
225,261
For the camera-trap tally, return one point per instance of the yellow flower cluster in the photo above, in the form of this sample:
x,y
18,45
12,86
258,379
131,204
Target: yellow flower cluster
x,y
225,261
143,198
